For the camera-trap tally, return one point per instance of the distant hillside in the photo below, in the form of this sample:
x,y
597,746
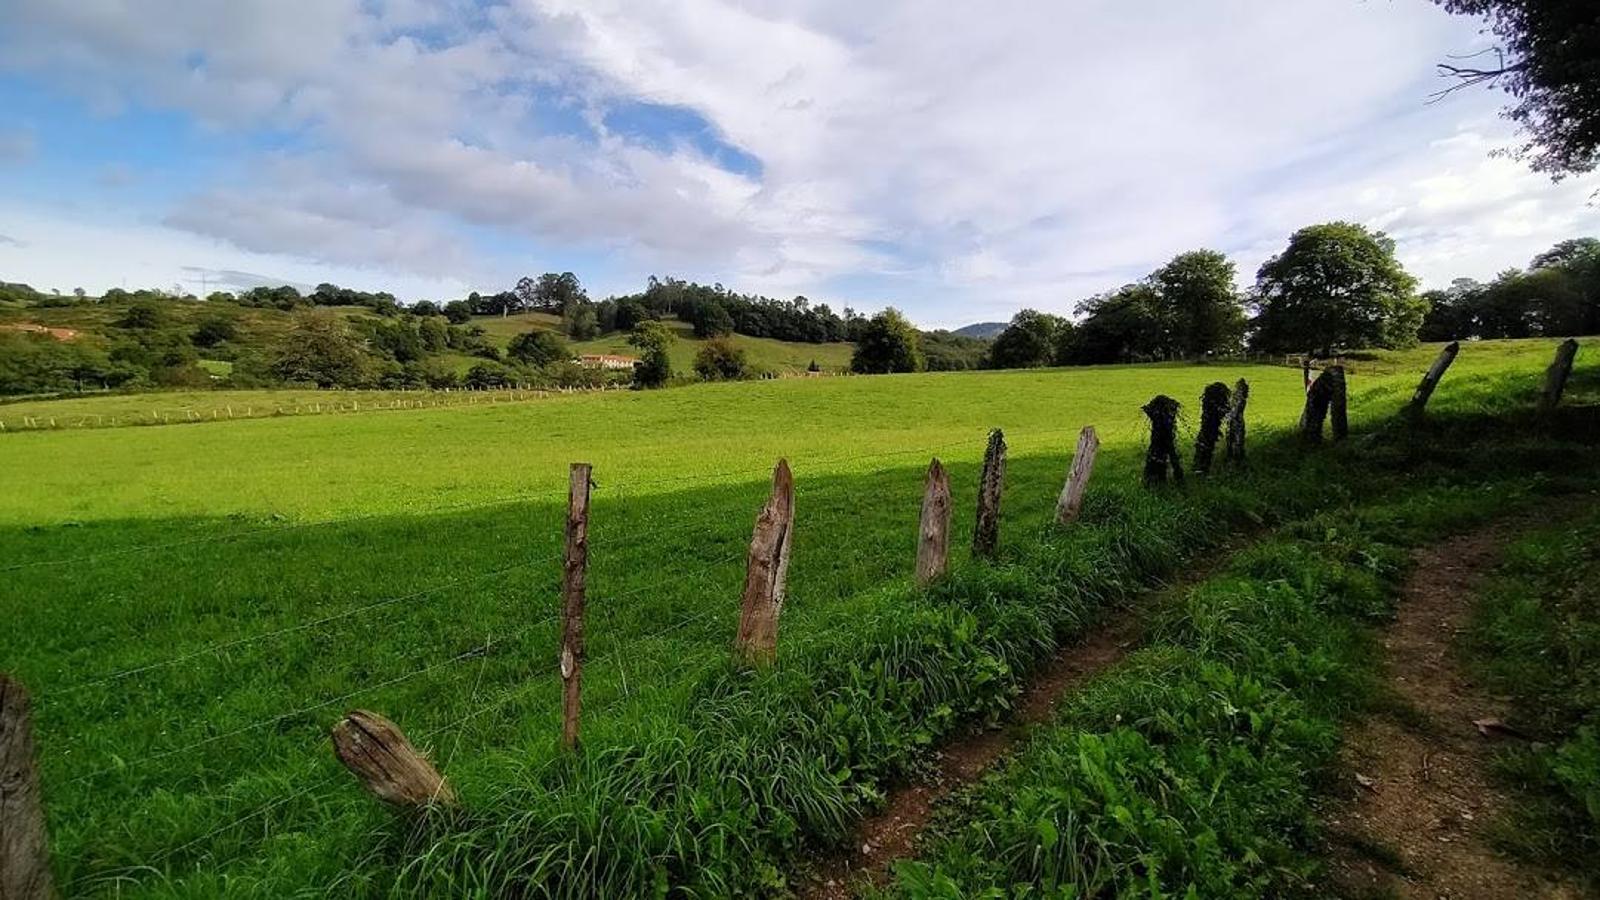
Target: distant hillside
x,y
983,331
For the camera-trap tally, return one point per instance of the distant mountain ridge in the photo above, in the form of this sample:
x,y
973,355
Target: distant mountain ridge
x,y
983,331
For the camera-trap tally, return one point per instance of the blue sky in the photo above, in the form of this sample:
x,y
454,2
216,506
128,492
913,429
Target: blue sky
x,y
960,161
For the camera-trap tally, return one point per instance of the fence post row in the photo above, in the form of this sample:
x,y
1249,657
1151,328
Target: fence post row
x,y
1555,377
1163,453
933,533
1071,500
1214,401
767,571
573,575
986,530
1233,442
377,752
24,849
1419,400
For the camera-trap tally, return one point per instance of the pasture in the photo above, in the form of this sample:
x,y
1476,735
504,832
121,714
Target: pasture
x,y
194,606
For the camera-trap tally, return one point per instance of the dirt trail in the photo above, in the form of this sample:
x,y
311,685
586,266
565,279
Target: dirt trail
x,y
1416,825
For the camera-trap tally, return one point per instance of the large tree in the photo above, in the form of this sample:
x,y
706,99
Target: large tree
x,y
1336,286
1129,324
1202,304
1548,60
888,343
1030,340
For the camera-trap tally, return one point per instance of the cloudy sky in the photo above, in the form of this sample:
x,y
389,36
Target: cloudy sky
x,y
959,160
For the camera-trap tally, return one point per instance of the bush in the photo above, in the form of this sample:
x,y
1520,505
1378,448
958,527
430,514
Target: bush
x,y
488,375
654,366
320,350
538,348
720,360
214,330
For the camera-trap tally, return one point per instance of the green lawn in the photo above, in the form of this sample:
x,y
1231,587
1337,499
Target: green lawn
x,y
193,607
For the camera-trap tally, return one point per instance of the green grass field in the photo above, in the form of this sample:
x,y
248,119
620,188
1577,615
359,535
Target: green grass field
x,y
193,607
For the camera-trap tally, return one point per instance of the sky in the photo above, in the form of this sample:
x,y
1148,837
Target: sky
x,y
957,160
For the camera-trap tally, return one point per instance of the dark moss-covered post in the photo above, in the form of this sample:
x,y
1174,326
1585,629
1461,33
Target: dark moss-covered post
x,y
1162,456
24,849
1318,399
1419,400
1213,409
1233,444
1338,403
1555,377
986,533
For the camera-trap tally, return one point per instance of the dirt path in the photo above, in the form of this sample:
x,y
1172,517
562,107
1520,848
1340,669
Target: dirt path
x,y
1416,825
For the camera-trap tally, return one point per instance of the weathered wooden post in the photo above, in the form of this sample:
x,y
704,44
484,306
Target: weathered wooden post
x,y
1316,409
986,531
573,575
1163,453
766,572
24,849
1233,442
1419,400
933,534
1213,409
1555,377
377,752
1338,403
1071,501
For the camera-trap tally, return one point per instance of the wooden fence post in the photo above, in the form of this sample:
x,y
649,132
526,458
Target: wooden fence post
x,y
24,849
1214,402
376,751
1072,492
1555,377
933,534
1338,403
986,533
1316,409
766,572
573,576
1233,443
1419,400
1163,453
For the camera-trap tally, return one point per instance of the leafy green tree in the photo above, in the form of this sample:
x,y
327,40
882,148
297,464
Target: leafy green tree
x,y
653,340
1336,286
490,374
434,333
539,347
320,350
712,320
144,315
1030,340
580,321
426,308
1546,62
1129,324
887,343
1202,304
214,330
459,312
720,360
946,351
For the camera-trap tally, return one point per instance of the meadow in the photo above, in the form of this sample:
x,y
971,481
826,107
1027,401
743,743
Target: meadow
x,y
194,606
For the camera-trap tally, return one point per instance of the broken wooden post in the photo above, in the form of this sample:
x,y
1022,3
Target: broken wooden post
x,y
1163,453
767,571
1555,377
1072,492
1213,408
376,751
1338,403
573,575
1233,442
24,850
933,535
1419,400
1316,409
986,531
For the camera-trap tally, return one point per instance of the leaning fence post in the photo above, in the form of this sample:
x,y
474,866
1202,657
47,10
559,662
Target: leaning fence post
x,y
766,571
1163,453
24,850
986,533
1419,400
1338,403
376,751
1318,399
1233,443
1213,408
1555,377
1071,500
572,598
933,534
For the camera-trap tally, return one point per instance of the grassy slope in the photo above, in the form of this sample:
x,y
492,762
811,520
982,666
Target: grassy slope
x,y
777,356
384,506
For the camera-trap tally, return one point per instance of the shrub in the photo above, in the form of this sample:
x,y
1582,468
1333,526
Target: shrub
x,y
720,360
538,348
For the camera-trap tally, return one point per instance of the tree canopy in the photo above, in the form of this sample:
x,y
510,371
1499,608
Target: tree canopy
x,y
1337,285
887,344
1030,340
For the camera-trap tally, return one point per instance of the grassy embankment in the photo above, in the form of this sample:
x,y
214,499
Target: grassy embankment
x,y
406,563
